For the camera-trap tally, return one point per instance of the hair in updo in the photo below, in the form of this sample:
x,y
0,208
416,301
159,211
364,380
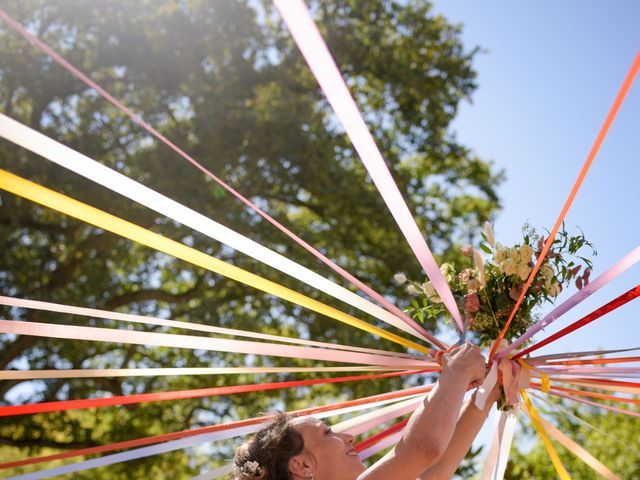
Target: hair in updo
x,y
266,455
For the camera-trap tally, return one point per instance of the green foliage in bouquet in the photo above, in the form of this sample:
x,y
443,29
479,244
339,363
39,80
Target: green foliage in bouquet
x,y
488,287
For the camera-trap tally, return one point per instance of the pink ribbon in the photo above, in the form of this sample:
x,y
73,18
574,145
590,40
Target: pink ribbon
x,y
198,343
315,51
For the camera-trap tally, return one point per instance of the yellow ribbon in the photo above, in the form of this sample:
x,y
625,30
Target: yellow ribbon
x,y
537,423
44,196
545,383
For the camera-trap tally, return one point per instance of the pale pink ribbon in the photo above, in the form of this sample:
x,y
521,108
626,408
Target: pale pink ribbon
x,y
127,317
496,461
199,343
315,51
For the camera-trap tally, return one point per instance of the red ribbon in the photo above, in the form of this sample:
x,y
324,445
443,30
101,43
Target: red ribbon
x,y
373,439
139,442
612,305
182,394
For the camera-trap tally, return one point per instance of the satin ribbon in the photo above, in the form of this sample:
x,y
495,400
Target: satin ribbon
x,y
156,372
584,393
373,400
555,356
131,337
624,89
612,305
584,422
127,317
578,451
594,361
109,178
44,196
497,459
136,118
537,424
594,404
168,447
373,439
179,395
611,385
309,41
618,268
383,444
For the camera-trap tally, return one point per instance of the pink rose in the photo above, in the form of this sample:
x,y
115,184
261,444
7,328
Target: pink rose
x,y
471,302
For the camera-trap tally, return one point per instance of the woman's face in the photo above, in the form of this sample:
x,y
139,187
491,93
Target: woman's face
x,y
334,454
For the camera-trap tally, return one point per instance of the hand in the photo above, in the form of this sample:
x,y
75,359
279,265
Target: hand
x,y
465,360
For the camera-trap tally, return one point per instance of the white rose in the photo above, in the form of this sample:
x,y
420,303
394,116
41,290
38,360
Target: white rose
x,y
400,278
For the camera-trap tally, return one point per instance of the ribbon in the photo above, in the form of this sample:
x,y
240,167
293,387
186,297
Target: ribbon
x,y
595,361
127,317
155,372
372,400
595,404
624,89
584,393
618,268
535,418
487,385
109,178
578,451
165,447
556,356
584,422
136,118
309,41
496,462
179,395
205,343
612,305
545,383
386,442
373,439
44,196
611,385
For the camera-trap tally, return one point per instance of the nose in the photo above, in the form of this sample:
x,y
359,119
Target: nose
x,y
348,438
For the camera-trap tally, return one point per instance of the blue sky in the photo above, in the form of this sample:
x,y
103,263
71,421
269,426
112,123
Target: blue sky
x,y
547,77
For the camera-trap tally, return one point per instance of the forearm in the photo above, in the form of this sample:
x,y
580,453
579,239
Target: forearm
x,y
431,426
468,426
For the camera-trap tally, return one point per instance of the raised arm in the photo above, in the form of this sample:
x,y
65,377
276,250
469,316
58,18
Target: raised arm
x,y
468,426
432,425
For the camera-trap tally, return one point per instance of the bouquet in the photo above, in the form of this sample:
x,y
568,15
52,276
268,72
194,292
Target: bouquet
x,y
488,284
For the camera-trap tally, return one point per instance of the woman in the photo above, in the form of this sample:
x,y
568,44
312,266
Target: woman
x,y
433,444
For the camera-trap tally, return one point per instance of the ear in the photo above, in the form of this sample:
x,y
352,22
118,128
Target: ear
x,y
302,465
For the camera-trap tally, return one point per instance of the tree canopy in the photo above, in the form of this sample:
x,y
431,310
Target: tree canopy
x,y
224,81
610,437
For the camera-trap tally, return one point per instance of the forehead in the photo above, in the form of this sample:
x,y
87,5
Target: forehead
x,y
309,425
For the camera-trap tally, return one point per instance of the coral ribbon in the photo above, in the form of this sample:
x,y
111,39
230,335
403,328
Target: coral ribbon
x,y
624,89
306,35
44,196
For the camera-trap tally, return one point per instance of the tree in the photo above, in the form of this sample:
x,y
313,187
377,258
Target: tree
x,y
614,442
223,80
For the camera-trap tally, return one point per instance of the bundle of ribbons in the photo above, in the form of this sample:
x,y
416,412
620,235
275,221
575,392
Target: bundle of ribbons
x,y
572,376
